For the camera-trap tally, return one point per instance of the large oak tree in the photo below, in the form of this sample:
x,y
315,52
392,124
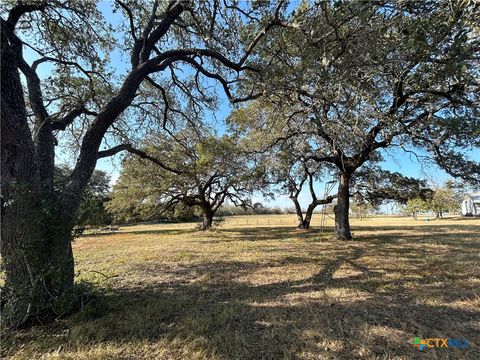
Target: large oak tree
x,y
93,99
353,78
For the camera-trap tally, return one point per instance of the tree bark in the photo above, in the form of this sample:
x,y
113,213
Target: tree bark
x,y
298,210
305,224
36,247
38,260
342,223
207,219
308,216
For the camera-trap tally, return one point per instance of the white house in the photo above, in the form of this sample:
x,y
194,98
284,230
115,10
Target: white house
x,y
471,205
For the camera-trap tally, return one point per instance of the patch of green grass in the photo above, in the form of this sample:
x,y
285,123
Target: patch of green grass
x,y
268,292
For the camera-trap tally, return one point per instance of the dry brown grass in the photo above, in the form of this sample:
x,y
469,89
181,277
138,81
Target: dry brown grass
x,y
270,292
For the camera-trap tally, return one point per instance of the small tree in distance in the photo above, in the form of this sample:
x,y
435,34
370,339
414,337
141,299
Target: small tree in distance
x,y
415,206
442,201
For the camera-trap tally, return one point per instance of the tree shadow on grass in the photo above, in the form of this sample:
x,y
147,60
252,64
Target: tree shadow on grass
x,y
143,232
473,228
321,316
270,233
365,300
425,236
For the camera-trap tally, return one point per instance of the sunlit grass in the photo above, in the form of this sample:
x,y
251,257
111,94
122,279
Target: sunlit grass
x,y
269,291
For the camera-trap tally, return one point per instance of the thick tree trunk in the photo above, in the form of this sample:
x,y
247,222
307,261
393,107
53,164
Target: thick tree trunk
x,y
38,260
207,219
35,242
39,267
342,223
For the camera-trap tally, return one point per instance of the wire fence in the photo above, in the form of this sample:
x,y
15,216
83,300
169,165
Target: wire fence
x,y
242,221
283,220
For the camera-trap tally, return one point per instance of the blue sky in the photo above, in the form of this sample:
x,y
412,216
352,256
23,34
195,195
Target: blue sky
x,y
395,159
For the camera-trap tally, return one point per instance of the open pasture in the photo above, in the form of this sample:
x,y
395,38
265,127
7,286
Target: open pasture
x,y
269,292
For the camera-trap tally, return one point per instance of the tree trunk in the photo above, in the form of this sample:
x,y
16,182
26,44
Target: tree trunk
x,y
305,224
342,224
38,261
35,243
299,212
207,219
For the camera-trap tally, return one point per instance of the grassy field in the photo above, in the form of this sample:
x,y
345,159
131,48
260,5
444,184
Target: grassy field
x,y
269,291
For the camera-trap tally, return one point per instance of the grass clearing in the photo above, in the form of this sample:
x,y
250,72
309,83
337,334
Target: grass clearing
x,y
270,292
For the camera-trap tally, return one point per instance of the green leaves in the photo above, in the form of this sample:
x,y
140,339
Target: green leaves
x,y
373,185
350,78
92,210
210,170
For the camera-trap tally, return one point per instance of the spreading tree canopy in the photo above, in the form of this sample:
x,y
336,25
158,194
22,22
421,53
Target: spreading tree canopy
x,y
194,168
353,78
176,50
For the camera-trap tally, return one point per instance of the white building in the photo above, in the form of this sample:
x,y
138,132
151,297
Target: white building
x,y
471,205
